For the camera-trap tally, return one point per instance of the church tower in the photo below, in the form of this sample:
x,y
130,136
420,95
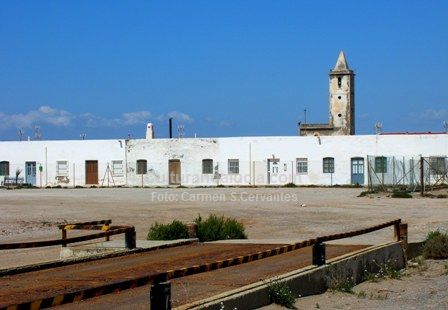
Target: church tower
x,y
342,98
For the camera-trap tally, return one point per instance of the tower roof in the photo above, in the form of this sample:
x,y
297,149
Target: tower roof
x,y
341,63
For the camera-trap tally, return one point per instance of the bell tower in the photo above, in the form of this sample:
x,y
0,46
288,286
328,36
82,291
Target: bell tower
x,y
342,98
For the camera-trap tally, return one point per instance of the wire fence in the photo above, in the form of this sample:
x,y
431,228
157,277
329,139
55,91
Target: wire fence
x,y
424,173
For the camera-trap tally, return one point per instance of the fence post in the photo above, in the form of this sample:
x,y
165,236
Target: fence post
x,y
64,236
106,229
160,296
319,254
403,228
397,235
422,178
130,238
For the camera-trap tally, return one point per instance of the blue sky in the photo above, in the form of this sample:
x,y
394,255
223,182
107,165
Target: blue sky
x,y
220,68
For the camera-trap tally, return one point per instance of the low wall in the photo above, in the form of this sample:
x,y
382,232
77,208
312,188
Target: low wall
x,y
310,280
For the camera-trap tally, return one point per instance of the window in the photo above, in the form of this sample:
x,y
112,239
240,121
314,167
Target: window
x,y
339,83
117,168
62,168
4,168
207,166
142,166
437,165
234,166
328,163
381,164
302,165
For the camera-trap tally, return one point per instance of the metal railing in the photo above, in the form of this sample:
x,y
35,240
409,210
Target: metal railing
x,y
107,231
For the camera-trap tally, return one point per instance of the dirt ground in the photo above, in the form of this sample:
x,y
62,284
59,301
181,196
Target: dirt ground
x,y
423,287
281,214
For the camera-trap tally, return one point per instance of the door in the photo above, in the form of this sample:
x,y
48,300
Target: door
x,y
358,170
174,171
273,170
91,172
30,172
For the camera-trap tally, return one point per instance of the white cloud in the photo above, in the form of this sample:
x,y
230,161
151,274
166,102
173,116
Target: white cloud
x,y
435,115
126,119
43,115
179,116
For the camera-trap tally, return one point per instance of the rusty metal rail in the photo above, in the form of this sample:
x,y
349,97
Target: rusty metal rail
x,y
129,231
161,278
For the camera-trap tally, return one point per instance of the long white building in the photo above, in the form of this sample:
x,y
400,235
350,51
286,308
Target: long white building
x,y
303,160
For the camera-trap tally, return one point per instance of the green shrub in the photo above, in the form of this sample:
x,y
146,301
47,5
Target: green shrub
x,y
290,184
280,294
436,245
347,286
219,228
385,270
365,193
173,231
401,195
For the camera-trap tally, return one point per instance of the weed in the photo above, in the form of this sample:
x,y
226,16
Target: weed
x,y
385,270
173,231
401,194
361,294
436,245
290,185
219,228
365,193
280,294
347,286
420,263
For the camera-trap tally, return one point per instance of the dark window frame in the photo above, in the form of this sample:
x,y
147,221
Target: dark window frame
x,y
4,168
233,169
302,165
380,164
207,166
328,165
142,166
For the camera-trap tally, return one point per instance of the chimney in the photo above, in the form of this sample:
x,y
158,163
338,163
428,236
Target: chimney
x,y
149,131
171,127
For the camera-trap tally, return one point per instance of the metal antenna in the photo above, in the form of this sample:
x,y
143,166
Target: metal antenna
x,y
304,113
378,127
20,133
37,133
445,125
83,136
181,131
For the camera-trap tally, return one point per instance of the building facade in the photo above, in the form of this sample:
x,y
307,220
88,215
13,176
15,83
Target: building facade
x,y
326,160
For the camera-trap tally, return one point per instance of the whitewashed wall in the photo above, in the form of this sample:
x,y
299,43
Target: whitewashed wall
x,y
47,153
252,153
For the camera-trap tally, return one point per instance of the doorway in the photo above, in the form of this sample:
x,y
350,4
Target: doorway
x,y
358,170
174,171
273,164
92,172
30,172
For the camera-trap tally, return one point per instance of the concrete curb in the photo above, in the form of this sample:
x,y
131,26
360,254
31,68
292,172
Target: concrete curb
x,y
310,280
72,261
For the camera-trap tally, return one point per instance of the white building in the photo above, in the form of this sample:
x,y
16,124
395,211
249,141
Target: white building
x,y
305,160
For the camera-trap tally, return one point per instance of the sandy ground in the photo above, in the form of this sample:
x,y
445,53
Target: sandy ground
x,y
268,213
420,288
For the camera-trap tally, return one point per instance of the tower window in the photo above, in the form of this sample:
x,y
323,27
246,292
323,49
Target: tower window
x,y
339,97
339,114
339,82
